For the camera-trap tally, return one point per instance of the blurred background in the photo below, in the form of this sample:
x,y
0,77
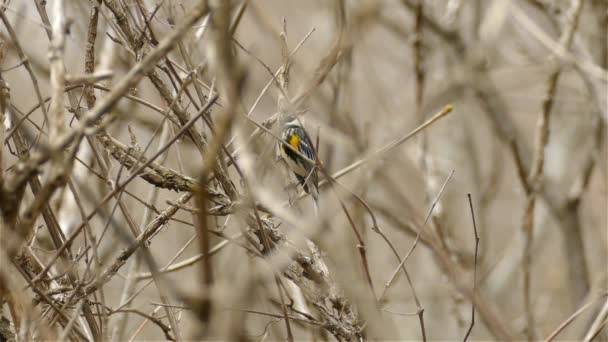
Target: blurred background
x,y
369,72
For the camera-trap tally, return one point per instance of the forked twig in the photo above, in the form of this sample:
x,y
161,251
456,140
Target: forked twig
x,y
389,282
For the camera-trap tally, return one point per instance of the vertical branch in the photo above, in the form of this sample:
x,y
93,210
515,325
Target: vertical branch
x,y
89,59
422,142
277,281
223,63
206,266
536,172
419,87
283,74
3,111
474,268
56,109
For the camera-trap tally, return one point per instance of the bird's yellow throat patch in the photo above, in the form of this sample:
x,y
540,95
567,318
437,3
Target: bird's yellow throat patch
x,y
294,141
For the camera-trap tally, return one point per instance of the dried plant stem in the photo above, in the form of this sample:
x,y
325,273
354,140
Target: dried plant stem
x,y
190,261
466,336
415,243
24,59
123,184
419,86
572,317
206,273
598,323
360,244
150,230
165,66
89,68
119,89
376,228
422,141
56,110
391,145
536,172
40,205
453,270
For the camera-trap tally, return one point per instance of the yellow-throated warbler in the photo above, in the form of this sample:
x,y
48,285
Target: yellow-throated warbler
x,y
305,171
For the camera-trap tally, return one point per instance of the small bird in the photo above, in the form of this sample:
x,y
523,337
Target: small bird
x,y
305,171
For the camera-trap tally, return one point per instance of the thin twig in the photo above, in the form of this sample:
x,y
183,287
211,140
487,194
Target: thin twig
x,y
407,255
572,317
597,324
24,59
466,337
391,145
